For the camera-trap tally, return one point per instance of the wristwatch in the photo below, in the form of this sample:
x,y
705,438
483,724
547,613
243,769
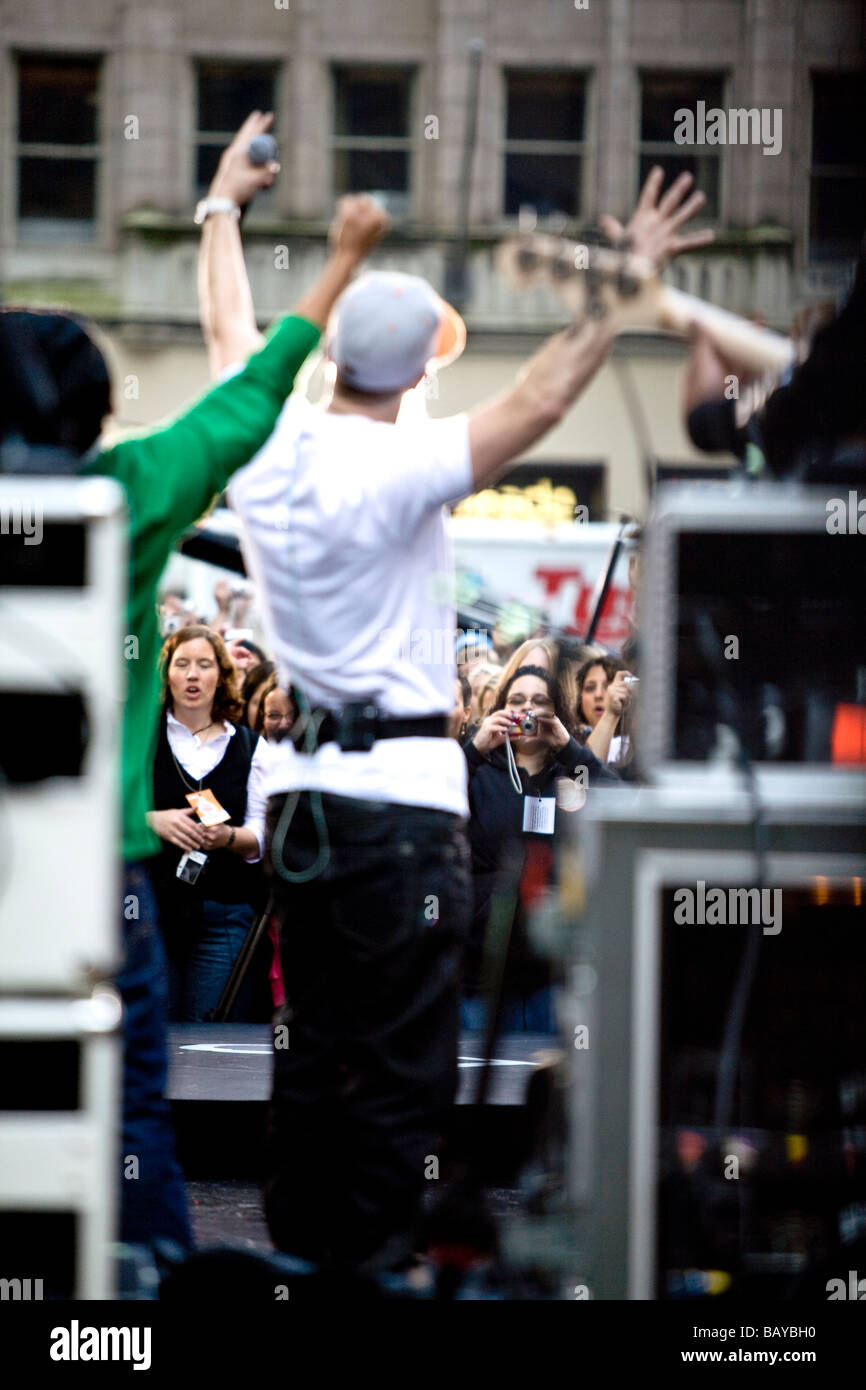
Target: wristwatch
x,y
207,206
231,838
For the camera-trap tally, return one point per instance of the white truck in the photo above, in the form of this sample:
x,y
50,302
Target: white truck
x,y
551,569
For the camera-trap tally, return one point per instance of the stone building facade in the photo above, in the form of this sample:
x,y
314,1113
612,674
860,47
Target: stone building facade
x,y
113,113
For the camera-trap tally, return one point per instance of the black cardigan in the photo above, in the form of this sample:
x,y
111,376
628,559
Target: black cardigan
x,y
227,878
496,822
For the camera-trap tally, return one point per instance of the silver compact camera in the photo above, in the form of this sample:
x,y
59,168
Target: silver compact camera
x,y
191,865
525,723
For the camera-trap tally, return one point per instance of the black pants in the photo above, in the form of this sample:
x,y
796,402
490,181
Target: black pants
x,y
371,953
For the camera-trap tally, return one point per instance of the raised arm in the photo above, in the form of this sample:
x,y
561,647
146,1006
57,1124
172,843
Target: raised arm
x,y
225,300
177,469
552,380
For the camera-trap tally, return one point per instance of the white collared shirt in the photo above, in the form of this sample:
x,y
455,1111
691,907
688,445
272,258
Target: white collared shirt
x,y
198,759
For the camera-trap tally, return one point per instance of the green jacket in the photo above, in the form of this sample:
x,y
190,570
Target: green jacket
x,y
171,476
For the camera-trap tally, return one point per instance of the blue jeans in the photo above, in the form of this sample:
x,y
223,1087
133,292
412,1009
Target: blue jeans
x,y
533,1014
199,976
153,1204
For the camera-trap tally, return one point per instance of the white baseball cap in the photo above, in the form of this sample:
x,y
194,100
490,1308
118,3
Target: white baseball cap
x,y
389,328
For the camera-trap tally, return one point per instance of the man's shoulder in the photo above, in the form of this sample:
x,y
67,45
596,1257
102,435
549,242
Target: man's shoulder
x,y
275,452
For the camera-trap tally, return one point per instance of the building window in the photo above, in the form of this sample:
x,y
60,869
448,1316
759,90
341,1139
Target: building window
x,y
662,95
227,93
837,192
58,148
544,134
372,144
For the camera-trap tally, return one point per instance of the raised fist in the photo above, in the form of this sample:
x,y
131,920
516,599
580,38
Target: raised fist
x,y
358,224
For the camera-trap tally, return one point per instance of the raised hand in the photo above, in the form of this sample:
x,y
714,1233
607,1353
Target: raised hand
x,y
358,224
552,731
617,695
236,177
654,228
242,657
493,731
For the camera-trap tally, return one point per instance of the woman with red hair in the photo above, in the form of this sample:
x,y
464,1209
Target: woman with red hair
x,y
208,875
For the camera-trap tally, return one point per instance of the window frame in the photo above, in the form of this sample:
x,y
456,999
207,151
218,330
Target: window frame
x,y
218,139
95,151
408,143
820,171
662,148
582,148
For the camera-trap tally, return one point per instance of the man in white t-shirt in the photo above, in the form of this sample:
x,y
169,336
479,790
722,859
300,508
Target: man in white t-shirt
x,y
344,535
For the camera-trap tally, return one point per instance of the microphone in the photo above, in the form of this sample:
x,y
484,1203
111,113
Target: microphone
x,y
262,149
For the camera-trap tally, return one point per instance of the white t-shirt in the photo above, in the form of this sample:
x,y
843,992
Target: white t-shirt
x,y
344,535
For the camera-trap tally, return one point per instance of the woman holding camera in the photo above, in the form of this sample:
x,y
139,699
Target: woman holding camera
x,y
525,769
603,692
208,876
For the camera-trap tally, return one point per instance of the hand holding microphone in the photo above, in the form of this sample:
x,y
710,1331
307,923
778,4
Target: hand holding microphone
x,y
262,150
247,165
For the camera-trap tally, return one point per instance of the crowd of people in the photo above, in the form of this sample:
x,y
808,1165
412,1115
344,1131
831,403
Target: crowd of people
x,y
223,707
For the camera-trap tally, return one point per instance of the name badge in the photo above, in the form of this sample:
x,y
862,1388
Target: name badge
x,y
207,808
538,814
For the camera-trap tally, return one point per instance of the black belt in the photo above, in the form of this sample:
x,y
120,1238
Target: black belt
x,y
356,728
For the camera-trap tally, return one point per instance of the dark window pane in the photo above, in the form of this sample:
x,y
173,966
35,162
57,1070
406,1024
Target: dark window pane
x,y
839,119
228,92
663,94
57,101
837,218
547,182
207,159
369,171
544,106
375,102
57,188
704,169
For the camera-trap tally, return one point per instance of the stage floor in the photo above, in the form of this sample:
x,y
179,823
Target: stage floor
x,y
232,1062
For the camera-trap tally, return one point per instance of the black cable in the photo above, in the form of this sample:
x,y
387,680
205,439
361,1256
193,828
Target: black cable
x,y
729,714
729,1052
604,582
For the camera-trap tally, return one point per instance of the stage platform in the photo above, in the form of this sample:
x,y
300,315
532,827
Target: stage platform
x,y
232,1062
219,1084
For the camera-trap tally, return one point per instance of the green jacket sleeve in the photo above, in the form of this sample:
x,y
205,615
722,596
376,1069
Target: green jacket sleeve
x,y
175,470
